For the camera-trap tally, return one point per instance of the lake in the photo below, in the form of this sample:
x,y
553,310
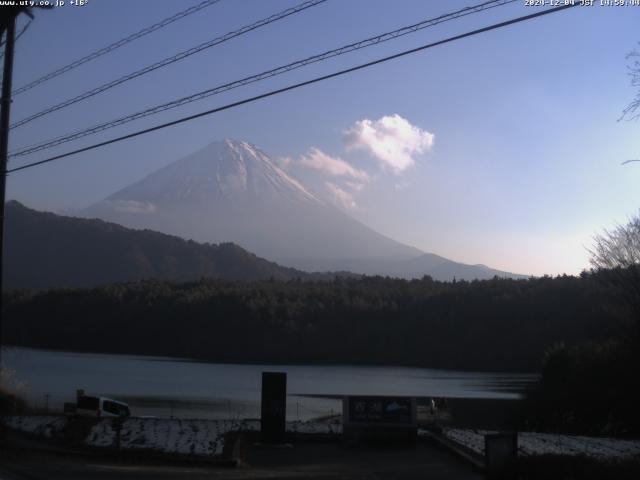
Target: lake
x,y
185,388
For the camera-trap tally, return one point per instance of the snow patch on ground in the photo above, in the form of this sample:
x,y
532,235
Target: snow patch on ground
x,y
206,437
188,437
102,435
531,443
314,428
41,425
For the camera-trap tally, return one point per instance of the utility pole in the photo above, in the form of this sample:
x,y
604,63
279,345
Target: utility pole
x,y
8,16
9,28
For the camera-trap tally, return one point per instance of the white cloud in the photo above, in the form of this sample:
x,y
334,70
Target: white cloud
x,y
355,186
392,140
133,206
333,166
341,196
284,162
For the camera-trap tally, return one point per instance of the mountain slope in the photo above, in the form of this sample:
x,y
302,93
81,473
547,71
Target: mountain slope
x,y
435,266
45,250
232,191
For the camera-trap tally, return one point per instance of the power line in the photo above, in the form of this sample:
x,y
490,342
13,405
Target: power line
x,y
260,76
297,85
24,29
20,33
167,61
116,45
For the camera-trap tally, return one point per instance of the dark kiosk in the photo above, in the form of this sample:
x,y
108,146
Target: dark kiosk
x,y
274,407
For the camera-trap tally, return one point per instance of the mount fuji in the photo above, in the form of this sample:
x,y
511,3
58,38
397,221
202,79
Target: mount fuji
x,y
231,191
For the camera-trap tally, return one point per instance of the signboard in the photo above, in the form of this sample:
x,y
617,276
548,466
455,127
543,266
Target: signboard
x,y
274,407
380,411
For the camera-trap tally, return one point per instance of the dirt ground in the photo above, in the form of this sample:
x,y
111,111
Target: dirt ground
x,y
299,460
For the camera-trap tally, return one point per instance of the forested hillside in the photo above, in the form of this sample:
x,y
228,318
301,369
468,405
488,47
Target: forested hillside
x,y
44,250
498,324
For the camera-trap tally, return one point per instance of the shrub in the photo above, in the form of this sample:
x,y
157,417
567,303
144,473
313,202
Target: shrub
x,y
11,394
588,389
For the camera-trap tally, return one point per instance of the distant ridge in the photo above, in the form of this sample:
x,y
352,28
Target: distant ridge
x,y
45,250
231,191
435,266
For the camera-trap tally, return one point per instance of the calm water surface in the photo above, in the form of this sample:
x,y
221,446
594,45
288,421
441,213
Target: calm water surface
x,y
184,388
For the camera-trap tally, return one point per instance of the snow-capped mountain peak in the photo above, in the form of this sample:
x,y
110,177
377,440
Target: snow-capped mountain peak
x,y
233,191
231,169
254,161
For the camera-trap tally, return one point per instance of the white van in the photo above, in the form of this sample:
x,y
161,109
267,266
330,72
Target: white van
x,y
89,406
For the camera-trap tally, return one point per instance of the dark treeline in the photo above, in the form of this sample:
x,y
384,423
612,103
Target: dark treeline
x,y
498,324
594,387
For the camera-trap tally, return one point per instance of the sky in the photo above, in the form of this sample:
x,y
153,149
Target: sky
x,y
503,149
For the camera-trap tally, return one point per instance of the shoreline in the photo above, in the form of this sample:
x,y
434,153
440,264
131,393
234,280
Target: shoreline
x,y
161,358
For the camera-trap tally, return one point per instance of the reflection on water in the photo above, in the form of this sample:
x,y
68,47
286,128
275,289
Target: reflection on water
x,y
183,388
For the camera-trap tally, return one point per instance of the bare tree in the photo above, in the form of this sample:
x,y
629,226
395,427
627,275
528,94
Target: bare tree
x,y
615,257
632,111
618,248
